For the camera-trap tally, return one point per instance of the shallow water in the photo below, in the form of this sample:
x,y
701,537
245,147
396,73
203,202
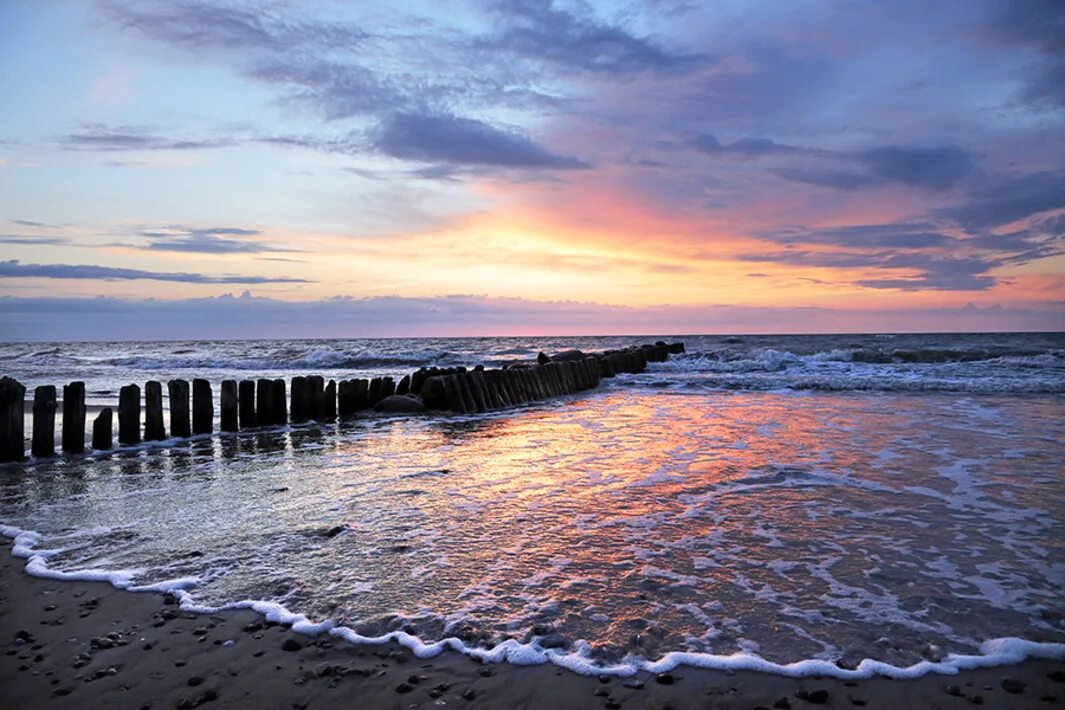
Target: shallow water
x,y
647,517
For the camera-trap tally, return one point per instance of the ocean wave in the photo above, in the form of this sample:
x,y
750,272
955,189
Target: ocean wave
x,y
579,659
846,369
302,360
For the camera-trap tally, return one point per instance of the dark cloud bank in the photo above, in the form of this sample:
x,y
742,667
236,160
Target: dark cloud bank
x,y
256,317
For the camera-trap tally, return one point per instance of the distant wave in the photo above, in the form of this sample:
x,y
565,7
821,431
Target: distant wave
x,y
864,369
309,360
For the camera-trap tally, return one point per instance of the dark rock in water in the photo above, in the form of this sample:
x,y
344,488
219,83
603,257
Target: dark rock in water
x,y
782,704
1057,676
1014,686
291,645
553,641
953,690
401,403
194,681
469,695
665,678
568,355
817,697
335,530
634,684
403,688
976,699
542,358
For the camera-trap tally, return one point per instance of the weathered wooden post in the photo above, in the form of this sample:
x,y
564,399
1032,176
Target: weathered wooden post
x,y
180,418
101,430
264,402
299,391
44,406
453,394
404,385
228,406
12,420
330,412
74,417
202,407
345,399
360,394
153,412
246,404
129,415
374,391
315,397
280,409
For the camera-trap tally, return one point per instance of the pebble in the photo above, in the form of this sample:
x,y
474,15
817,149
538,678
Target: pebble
x,y
816,697
291,645
782,704
953,690
634,684
403,688
469,695
1014,686
194,681
665,678
1057,676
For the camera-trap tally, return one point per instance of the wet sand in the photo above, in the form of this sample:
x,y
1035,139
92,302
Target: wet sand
x,y
88,645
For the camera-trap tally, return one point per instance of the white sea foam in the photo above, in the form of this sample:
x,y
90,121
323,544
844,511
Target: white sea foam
x,y
993,652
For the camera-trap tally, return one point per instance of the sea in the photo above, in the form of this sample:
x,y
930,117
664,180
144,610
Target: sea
x,y
843,505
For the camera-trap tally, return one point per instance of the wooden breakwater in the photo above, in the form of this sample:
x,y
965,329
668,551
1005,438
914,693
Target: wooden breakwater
x,y
256,403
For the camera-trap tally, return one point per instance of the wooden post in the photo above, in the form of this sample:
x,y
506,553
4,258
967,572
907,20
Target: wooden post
x,y
470,393
280,410
264,402
315,397
153,412
74,417
202,407
331,401
12,420
360,392
101,430
345,399
246,404
228,406
404,385
453,394
44,406
299,389
129,415
180,421
374,392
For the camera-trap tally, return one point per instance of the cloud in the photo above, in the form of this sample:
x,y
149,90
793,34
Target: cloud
x,y
540,31
1008,199
932,168
836,179
13,268
98,137
450,139
1039,26
210,240
31,223
927,271
743,148
898,235
203,25
32,240
247,316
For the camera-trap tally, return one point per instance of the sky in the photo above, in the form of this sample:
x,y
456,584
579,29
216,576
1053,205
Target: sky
x,y
273,168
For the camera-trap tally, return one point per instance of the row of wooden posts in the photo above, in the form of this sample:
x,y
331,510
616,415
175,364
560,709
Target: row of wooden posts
x,y
256,403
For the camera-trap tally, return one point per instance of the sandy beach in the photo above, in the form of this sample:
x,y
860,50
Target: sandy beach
x,y
88,645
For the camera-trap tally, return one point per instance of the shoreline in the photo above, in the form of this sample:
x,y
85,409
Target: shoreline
x,y
89,644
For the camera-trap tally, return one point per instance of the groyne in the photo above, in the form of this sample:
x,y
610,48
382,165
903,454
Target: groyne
x,y
264,402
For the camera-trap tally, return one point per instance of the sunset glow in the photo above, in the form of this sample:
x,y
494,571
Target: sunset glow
x,y
817,165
